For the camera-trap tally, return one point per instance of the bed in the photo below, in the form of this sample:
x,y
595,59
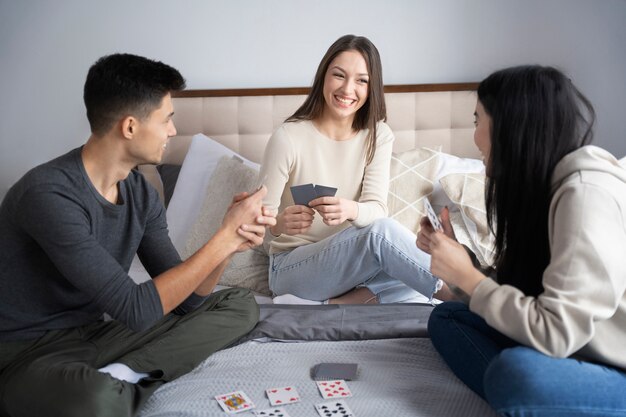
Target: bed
x,y
220,142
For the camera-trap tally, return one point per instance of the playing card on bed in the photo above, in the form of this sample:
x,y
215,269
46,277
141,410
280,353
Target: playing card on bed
x,y
235,402
432,216
334,409
327,371
334,389
283,395
272,412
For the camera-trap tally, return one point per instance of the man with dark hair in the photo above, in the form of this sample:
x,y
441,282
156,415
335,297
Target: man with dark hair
x,y
69,230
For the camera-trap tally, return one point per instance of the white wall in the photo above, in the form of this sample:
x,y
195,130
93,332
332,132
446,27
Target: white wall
x,y
47,46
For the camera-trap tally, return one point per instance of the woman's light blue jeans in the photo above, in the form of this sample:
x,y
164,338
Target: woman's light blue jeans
x,y
519,381
382,257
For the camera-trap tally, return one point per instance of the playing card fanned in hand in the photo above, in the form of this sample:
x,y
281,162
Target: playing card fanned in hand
x,y
235,402
432,216
303,194
283,395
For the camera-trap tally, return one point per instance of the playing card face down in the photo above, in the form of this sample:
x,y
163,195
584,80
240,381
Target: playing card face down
x,y
334,389
235,402
324,191
272,412
432,216
282,395
337,408
303,194
328,371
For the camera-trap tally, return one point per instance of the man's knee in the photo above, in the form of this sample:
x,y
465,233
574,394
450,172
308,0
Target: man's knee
x,y
243,304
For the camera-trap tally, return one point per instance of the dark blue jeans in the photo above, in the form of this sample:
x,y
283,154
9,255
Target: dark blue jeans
x,y
520,381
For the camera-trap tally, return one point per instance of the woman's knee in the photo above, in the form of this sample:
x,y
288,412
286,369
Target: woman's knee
x,y
511,378
442,316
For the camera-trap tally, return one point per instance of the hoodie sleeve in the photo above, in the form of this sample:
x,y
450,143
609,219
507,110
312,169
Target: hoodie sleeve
x,y
583,284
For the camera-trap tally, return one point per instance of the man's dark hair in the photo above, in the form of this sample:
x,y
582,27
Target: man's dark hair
x,y
123,84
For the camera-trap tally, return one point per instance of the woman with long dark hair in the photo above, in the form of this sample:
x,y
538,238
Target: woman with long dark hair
x,y
544,331
340,248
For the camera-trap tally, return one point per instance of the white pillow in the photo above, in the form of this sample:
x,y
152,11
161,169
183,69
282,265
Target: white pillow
x,y
415,174
450,164
198,166
248,269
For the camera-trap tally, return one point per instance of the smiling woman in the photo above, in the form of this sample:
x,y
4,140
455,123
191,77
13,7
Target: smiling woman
x,y
338,139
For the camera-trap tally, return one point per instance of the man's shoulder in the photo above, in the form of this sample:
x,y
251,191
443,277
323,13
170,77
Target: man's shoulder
x,y
59,173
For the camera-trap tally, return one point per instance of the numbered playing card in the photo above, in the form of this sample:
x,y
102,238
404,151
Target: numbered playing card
x,y
334,409
334,389
235,402
434,220
283,395
272,412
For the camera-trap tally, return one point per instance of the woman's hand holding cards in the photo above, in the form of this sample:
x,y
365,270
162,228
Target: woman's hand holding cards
x,y
449,260
335,210
293,220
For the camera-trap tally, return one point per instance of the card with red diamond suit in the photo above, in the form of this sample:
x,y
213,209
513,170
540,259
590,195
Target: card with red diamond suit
x,y
334,389
283,395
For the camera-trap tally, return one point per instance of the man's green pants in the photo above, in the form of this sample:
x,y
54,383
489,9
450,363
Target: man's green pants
x,y
57,374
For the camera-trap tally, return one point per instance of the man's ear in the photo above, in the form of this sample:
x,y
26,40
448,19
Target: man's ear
x,y
129,127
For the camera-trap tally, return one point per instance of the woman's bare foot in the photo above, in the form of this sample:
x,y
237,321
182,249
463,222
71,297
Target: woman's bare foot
x,y
356,296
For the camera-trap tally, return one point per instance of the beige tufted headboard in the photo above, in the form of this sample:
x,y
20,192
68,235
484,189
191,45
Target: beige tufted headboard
x,y
431,115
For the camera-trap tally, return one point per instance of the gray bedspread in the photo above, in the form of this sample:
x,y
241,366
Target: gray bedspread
x,y
397,378
400,373
341,322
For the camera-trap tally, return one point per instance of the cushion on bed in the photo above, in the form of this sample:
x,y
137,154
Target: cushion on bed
x,y
169,175
467,192
411,179
248,269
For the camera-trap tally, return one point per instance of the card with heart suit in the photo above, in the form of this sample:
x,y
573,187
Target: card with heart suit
x,y
272,412
235,402
283,395
337,408
334,389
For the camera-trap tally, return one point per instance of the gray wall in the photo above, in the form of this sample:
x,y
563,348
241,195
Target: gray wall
x,y
47,46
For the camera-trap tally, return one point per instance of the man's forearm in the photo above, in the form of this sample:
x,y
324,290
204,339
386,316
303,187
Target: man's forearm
x,y
208,285
176,284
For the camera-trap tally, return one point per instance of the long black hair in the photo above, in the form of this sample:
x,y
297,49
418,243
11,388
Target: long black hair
x,y
374,109
537,117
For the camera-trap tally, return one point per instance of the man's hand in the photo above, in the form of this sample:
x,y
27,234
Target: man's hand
x,y
255,233
244,220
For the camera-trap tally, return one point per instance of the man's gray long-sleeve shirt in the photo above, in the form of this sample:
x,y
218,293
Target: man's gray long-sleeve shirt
x,y
65,252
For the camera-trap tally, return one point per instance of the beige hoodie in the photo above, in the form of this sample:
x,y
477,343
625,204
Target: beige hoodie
x,y
582,311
